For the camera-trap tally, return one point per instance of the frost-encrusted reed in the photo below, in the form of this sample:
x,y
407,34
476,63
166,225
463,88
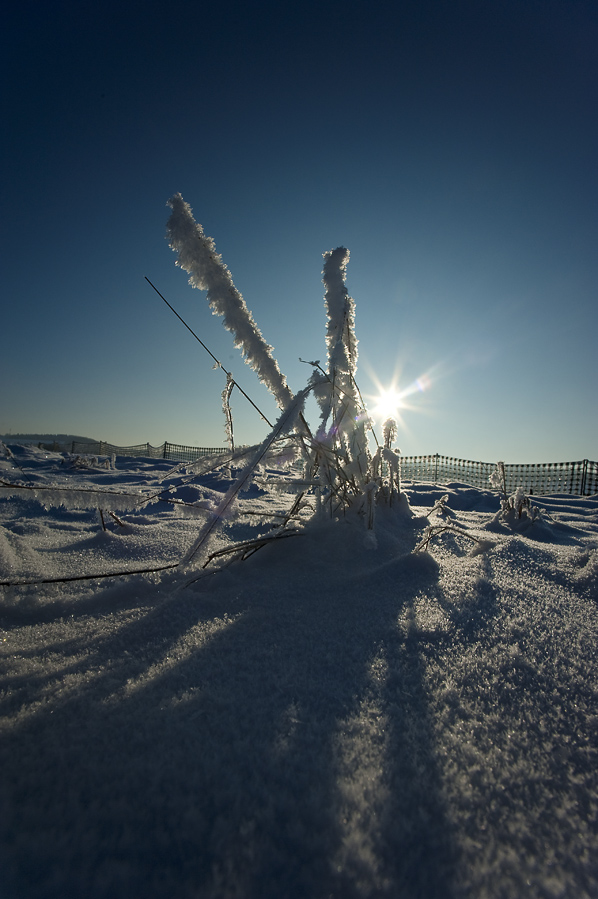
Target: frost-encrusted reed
x,y
342,433
197,256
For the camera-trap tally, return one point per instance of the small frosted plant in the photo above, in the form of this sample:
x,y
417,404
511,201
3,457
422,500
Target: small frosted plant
x,y
442,509
387,461
517,506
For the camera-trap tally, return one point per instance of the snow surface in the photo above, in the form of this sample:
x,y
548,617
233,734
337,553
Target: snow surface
x,y
322,720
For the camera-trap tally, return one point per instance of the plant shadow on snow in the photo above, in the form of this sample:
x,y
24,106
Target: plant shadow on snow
x,y
249,736
476,611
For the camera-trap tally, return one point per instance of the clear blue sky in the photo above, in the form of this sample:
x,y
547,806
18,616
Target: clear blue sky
x,y
451,146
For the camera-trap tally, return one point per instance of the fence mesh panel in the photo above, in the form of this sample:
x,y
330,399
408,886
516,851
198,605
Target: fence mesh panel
x,y
177,452
174,452
579,478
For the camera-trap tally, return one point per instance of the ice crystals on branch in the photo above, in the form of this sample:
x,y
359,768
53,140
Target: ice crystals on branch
x,y
198,257
390,432
228,417
341,405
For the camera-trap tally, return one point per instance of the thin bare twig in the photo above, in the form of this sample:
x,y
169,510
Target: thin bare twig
x,y
435,530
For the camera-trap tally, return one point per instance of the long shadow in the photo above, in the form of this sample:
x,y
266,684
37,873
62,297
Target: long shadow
x,y
238,742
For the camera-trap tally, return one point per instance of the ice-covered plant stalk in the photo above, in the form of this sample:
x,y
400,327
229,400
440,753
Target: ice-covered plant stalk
x,y
390,432
197,255
392,458
285,424
228,416
498,480
343,416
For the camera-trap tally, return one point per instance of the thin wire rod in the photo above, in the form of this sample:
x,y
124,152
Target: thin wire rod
x,y
217,361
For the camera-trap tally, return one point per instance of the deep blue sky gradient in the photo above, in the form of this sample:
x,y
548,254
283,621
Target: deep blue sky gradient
x,y
451,146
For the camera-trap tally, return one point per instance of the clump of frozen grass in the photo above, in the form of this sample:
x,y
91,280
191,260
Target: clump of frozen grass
x,y
519,503
516,509
90,461
337,457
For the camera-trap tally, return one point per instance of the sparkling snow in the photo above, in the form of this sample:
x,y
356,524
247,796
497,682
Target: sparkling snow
x,y
324,719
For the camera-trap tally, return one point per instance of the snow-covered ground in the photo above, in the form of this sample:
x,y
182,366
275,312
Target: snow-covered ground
x,y
324,719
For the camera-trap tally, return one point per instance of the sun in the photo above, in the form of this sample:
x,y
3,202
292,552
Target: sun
x,y
387,404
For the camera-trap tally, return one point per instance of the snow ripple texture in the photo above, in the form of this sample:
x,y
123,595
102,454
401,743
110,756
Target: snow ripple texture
x,y
321,720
